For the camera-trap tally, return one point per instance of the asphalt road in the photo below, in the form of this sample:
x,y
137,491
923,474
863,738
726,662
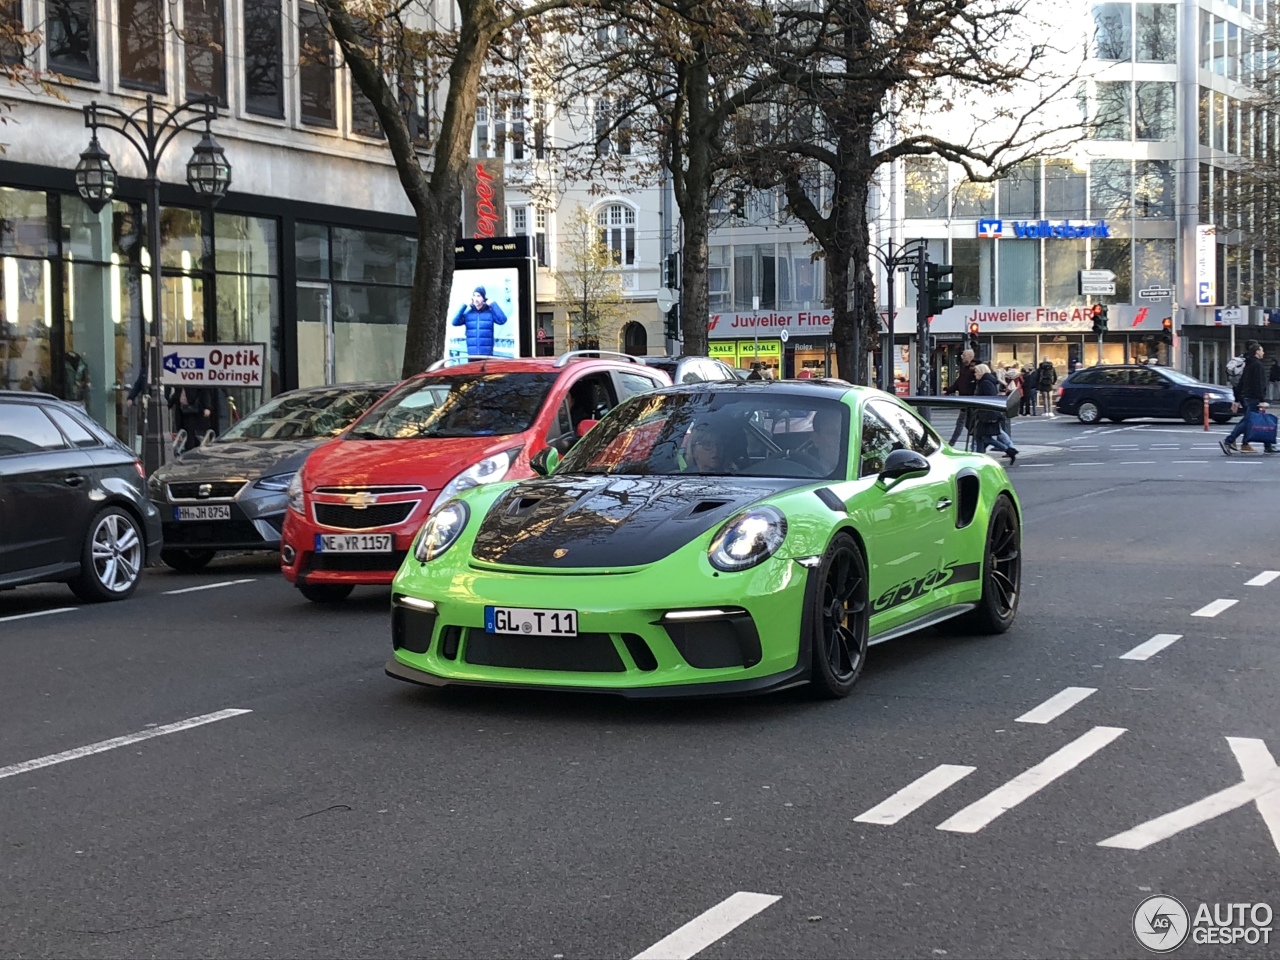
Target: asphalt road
x,y
348,815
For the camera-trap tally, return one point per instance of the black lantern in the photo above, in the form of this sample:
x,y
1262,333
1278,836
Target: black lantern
x,y
95,176
208,172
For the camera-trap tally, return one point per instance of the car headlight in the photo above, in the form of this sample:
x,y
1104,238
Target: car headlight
x,y
294,490
441,531
280,482
155,487
489,470
747,539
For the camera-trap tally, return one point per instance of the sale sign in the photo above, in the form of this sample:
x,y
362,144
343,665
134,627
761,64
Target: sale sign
x,y
214,364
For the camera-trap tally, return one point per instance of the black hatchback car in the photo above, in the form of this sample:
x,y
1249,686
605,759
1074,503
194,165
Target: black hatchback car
x,y
1137,391
73,501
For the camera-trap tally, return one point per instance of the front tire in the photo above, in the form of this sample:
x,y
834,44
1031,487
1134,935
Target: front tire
x,y
111,559
1001,572
325,592
1088,412
186,561
1193,411
841,619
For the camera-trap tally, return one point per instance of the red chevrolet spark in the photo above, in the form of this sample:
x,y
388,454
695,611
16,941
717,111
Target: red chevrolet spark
x,y
358,501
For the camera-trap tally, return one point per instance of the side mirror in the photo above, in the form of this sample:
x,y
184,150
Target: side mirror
x,y
584,427
545,461
901,464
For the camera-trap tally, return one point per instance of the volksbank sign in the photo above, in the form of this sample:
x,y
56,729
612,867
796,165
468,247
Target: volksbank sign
x,y
1044,229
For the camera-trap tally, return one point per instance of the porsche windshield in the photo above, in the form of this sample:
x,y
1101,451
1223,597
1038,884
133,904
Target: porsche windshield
x,y
465,405
305,415
719,433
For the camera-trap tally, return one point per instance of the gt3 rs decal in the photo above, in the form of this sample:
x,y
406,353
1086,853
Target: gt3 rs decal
x,y
909,590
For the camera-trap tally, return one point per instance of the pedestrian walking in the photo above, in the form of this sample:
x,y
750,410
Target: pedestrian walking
x,y
1274,379
964,385
1046,377
989,430
1250,392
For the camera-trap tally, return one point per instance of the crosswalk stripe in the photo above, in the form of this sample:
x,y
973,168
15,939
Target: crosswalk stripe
x,y
1004,798
915,794
1149,648
1215,608
1056,705
1262,579
708,927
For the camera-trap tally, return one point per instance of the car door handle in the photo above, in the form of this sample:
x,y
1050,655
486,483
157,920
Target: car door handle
x,y
73,480
944,503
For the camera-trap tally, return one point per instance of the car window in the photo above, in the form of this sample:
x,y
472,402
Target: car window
x,y
918,435
666,366
72,429
592,397
690,373
1115,378
25,429
630,384
1087,377
1147,378
458,405
878,440
304,415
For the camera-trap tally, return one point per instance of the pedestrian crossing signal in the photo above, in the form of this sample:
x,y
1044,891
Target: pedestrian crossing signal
x,y
1167,334
1099,318
973,335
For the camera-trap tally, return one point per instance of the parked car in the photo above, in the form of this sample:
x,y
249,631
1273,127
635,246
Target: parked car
x,y
1124,392
359,500
73,501
230,494
692,369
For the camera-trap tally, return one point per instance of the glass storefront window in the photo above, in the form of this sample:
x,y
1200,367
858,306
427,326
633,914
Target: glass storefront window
x,y
1204,116
1019,272
1153,110
925,185
368,329
1157,33
1112,120
1020,192
26,314
245,244
1153,192
1114,255
1110,189
311,247
367,256
248,309
974,262
1064,190
975,200
182,240
24,223
1113,31
1063,261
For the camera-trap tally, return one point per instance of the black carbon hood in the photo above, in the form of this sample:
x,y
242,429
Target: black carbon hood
x,y
611,521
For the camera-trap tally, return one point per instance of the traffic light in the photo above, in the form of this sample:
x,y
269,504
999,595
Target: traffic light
x,y
973,335
1167,324
939,287
738,204
1099,318
671,326
671,272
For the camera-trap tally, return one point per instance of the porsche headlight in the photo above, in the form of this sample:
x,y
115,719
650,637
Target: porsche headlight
x,y
488,470
294,490
441,531
280,483
747,539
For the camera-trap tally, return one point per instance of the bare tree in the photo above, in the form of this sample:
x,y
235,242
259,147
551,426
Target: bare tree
x,y
17,44
872,81
589,284
1245,206
395,49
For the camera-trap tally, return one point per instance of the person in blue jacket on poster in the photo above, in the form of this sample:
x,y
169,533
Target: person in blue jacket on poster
x,y
479,316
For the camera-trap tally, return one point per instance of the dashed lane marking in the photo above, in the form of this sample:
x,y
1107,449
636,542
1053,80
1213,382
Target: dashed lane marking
x,y
1056,705
208,586
1262,579
704,930
1004,798
915,794
26,766
1149,648
1215,608
37,613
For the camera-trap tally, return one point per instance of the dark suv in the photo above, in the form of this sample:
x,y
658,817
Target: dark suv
x,y
1131,391
73,501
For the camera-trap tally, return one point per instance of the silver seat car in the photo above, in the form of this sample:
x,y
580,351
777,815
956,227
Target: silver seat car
x,y
229,493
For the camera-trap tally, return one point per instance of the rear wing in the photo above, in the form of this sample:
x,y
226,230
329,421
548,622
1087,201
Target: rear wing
x,y
1005,406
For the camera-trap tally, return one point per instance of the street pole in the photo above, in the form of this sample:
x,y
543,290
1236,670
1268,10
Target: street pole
x,y
155,347
886,339
922,322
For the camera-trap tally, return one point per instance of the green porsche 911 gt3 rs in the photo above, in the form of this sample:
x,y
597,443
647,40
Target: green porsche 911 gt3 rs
x,y
713,538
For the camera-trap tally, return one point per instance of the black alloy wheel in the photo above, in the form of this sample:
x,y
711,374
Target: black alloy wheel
x,y
1001,572
841,622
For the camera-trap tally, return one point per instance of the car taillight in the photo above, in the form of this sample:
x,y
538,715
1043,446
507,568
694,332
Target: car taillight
x,y
1061,391
142,471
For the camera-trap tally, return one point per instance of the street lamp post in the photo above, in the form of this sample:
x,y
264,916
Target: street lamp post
x,y
893,257
151,129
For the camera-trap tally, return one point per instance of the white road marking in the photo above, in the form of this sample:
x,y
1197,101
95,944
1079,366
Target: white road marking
x,y
704,930
1215,608
38,613
1262,579
1261,784
1188,461
1136,463
1036,465
915,794
1149,648
208,586
1083,447
102,746
1004,798
1165,446
1088,464
1205,446
1125,446
1056,705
